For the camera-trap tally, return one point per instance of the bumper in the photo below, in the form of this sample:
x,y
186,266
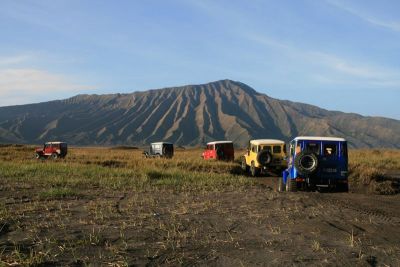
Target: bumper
x,y
325,183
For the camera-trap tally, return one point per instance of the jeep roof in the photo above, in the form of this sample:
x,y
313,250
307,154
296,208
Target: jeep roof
x,y
267,142
219,142
161,143
55,143
319,138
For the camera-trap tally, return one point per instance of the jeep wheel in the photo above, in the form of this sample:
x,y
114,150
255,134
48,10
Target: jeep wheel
x,y
244,166
291,185
306,162
54,156
253,170
37,156
281,185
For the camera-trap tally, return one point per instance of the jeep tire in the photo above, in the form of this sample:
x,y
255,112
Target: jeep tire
x,y
243,165
264,157
37,156
253,170
54,156
291,185
281,185
306,162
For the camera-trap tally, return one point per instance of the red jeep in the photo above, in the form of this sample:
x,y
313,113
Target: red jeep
x,y
220,150
52,149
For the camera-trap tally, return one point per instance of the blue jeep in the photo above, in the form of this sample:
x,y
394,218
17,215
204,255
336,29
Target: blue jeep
x,y
316,163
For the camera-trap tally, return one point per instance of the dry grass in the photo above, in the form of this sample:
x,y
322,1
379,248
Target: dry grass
x,y
103,206
369,170
119,168
373,170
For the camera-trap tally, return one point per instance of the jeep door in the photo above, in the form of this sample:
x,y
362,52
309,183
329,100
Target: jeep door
x,y
212,153
277,156
64,148
253,155
229,151
48,150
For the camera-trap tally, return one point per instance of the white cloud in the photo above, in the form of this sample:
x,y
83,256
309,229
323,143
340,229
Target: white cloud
x,y
268,41
342,65
329,68
13,60
344,71
391,25
27,85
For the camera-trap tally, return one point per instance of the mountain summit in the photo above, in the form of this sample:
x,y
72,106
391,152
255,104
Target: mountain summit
x,y
187,115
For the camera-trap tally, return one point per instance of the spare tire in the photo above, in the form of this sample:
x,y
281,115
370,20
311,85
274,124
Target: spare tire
x,y
264,157
306,162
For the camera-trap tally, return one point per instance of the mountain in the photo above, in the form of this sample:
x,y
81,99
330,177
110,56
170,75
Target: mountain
x,y
187,115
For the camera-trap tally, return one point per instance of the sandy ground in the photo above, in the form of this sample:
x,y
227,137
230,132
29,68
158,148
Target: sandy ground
x,y
256,226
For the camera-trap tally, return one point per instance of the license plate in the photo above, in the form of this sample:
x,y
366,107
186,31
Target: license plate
x,y
329,170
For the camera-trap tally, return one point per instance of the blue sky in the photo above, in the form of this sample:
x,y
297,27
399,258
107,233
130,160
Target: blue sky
x,y
336,54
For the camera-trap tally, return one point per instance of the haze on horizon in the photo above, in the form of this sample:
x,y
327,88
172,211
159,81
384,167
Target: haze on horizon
x,y
336,54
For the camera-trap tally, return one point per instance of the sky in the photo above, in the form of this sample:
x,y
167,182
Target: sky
x,y
336,54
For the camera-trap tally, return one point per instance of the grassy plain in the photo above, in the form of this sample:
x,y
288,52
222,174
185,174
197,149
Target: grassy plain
x,y
105,206
119,168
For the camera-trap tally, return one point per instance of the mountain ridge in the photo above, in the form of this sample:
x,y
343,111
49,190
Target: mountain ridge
x,y
187,115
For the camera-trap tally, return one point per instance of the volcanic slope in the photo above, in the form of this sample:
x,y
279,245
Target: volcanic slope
x,y
187,115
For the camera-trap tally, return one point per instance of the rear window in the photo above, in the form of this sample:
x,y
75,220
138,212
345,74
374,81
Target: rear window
x,y
313,147
268,148
330,149
277,149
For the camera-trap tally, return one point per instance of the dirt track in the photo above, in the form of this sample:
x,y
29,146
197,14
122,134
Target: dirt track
x,y
257,226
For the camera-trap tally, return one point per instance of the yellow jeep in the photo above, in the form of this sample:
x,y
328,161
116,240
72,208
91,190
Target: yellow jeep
x,y
264,155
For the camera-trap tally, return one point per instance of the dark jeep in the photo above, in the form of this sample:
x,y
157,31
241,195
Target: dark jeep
x,y
160,149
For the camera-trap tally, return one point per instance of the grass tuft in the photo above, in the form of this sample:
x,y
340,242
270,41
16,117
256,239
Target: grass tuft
x,y
57,193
